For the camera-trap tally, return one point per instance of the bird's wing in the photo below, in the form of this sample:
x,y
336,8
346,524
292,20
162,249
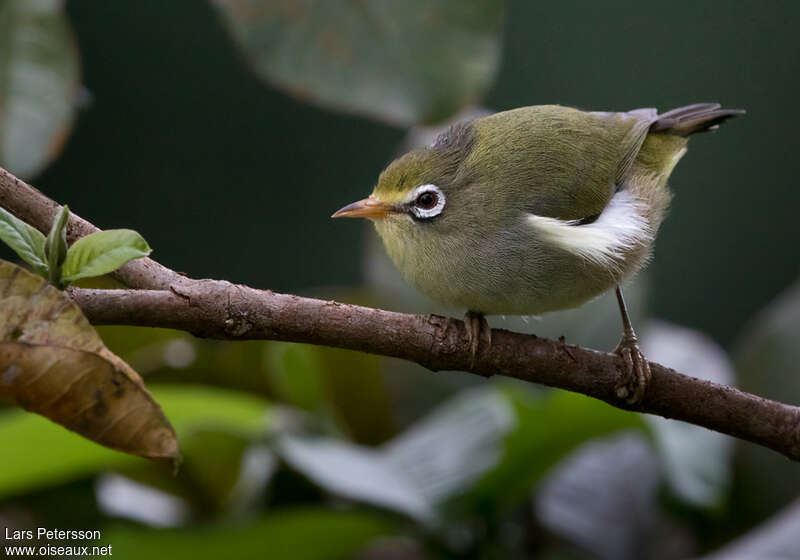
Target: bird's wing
x,y
620,227
556,161
636,125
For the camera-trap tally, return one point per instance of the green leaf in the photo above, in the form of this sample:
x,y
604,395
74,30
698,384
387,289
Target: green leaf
x,y
39,73
356,472
402,62
195,407
768,364
696,461
299,534
768,355
357,395
26,241
603,496
295,375
55,247
453,446
341,387
214,461
38,453
103,252
774,539
413,474
178,356
546,430
481,452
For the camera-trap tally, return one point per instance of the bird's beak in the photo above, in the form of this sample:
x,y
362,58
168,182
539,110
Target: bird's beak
x,y
367,208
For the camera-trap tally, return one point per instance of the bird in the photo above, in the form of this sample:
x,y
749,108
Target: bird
x,y
534,210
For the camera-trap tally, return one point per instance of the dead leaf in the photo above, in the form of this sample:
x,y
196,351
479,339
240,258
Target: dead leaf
x,y
53,363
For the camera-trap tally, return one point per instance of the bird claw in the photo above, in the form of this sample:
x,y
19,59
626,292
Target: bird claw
x,y
477,329
636,377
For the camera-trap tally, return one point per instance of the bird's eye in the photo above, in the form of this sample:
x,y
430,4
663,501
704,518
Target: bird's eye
x,y
426,201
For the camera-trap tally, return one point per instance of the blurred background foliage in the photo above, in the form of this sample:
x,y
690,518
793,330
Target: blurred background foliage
x,y
226,132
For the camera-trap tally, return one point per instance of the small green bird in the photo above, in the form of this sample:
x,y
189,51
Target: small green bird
x,y
533,210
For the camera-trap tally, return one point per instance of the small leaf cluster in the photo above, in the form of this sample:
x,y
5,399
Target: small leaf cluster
x,y
93,255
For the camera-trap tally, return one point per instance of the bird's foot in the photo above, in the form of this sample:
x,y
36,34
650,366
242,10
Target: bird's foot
x,y
637,375
477,329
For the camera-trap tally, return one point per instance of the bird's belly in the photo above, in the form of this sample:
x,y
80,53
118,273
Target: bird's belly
x,y
509,279
517,294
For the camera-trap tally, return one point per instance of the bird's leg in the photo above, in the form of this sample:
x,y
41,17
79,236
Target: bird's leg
x,y
477,329
637,377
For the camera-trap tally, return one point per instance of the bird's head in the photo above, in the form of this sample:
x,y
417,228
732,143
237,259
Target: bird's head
x,y
420,197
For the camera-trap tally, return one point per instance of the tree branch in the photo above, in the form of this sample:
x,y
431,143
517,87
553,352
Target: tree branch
x,y
221,310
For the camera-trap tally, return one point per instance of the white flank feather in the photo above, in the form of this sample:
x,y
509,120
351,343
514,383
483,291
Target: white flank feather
x,y
621,227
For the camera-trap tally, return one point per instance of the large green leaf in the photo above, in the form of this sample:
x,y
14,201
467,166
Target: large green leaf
x,y
413,474
452,447
357,473
768,355
768,364
775,539
26,241
547,428
482,451
404,62
37,453
299,534
356,391
295,375
223,472
603,497
216,463
103,252
343,388
39,81
696,460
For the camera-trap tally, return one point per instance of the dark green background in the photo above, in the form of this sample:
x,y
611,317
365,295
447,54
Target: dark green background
x,y
227,177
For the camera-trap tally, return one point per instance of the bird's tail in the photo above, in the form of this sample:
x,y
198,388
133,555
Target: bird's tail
x,y
700,117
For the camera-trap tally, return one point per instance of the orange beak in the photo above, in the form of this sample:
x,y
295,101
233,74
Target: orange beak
x,y
366,208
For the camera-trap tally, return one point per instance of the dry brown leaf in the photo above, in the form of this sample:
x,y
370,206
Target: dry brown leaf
x,y
54,363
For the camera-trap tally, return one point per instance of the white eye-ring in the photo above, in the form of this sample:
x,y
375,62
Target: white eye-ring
x,y
426,201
